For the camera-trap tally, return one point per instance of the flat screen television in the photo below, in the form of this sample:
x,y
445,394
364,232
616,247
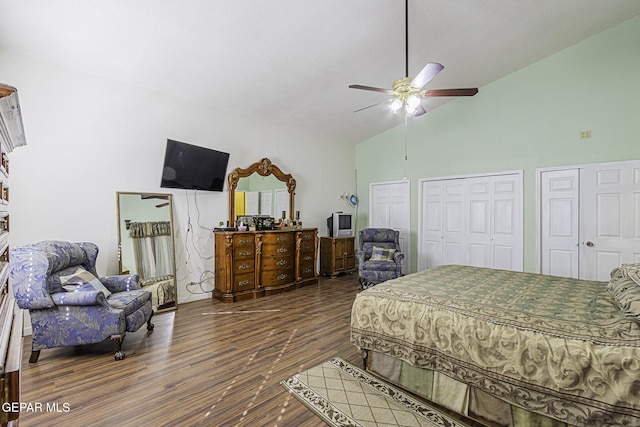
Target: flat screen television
x,y
340,224
193,168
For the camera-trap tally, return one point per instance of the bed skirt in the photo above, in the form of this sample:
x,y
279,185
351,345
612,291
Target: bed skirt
x,y
455,395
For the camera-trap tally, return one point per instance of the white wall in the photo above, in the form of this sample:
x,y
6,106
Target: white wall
x,y
88,137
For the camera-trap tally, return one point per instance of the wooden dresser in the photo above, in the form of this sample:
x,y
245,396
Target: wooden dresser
x,y
252,264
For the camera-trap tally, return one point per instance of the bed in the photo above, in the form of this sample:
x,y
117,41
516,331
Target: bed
x,y
508,347
162,290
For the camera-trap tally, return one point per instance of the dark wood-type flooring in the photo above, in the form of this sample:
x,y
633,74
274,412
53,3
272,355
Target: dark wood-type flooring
x,y
206,364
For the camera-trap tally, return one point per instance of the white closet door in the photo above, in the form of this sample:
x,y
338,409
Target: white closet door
x,y
454,237
380,200
506,238
390,207
479,224
559,222
472,221
431,229
611,217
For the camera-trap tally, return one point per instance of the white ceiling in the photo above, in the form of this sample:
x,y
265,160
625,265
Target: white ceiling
x,y
291,61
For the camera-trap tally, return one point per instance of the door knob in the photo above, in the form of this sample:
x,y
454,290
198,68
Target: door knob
x,y
590,244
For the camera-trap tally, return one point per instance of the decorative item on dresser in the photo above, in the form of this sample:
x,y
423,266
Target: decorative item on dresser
x,y
11,136
252,264
337,255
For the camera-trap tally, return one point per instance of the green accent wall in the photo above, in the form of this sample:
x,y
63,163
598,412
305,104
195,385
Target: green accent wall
x,y
527,120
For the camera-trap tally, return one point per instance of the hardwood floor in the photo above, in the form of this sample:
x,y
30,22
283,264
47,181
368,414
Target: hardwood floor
x,y
206,364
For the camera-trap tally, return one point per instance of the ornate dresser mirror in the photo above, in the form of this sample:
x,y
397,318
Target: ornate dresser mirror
x,y
265,169
145,244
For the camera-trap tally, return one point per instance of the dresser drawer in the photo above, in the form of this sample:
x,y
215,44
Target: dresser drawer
x,y
243,240
307,270
308,246
271,250
243,282
278,263
243,266
309,236
306,258
242,252
277,277
278,238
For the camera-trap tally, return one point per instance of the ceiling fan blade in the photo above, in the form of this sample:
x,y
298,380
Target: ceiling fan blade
x,y
451,92
375,89
426,74
420,111
373,105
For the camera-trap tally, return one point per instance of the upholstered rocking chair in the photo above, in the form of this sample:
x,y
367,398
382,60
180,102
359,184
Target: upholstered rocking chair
x,y
57,282
379,256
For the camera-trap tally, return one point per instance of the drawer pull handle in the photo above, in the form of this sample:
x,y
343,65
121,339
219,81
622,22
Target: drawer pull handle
x,y
244,266
307,258
282,276
245,253
244,241
282,262
307,236
282,250
283,239
307,271
244,282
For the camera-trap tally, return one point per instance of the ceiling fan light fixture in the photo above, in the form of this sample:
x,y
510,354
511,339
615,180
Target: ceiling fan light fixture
x,y
413,101
395,105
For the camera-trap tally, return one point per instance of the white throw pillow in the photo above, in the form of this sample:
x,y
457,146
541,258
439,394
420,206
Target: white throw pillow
x,y
82,280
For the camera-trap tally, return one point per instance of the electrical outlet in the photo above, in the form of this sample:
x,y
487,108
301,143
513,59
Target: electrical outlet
x,y
585,134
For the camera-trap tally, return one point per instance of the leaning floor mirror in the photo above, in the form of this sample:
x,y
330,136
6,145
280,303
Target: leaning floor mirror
x,y
146,246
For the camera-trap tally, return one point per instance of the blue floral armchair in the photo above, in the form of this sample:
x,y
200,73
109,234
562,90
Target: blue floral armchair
x,y
75,313
379,256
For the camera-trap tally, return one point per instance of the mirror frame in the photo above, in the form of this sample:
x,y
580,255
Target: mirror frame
x,y
173,243
265,168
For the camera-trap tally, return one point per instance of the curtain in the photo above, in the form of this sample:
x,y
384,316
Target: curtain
x,y
152,248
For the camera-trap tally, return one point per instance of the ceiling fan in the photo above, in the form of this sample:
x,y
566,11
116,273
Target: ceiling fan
x,y
408,91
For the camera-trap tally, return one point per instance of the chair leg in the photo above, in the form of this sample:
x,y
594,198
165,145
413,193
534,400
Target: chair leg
x,y
117,340
150,325
34,356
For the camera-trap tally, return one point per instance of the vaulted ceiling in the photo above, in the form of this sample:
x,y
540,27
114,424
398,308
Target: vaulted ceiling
x,y
291,61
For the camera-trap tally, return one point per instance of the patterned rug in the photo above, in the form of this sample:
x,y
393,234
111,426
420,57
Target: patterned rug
x,y
343,395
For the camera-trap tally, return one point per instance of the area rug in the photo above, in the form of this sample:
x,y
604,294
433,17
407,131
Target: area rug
x,y
343,395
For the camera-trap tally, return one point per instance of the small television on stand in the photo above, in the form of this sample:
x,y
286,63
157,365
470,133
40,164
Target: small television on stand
x,y
340,224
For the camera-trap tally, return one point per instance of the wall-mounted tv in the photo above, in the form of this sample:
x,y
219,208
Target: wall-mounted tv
x,y
193,168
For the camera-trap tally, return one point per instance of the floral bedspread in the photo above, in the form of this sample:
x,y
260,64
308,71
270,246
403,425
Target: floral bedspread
x,y
557,346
